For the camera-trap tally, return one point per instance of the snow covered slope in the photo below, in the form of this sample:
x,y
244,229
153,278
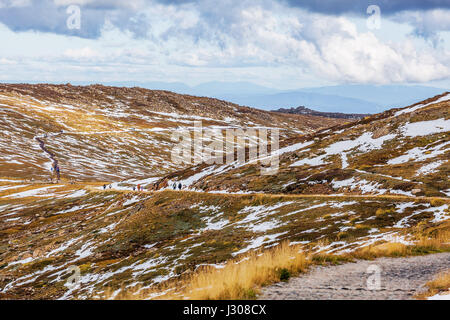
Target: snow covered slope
x,y
401,151
337,189
109,134
121,239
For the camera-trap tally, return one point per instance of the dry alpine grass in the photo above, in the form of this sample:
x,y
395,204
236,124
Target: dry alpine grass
x,y
242,279
237,279
388,249
427,242
441,283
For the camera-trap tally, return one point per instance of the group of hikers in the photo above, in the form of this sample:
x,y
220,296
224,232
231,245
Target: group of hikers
x,y
176,186
138,187
56,171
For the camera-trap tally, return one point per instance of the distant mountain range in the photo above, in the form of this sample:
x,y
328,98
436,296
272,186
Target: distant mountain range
x,y
358,99
355,99
341,99
335,115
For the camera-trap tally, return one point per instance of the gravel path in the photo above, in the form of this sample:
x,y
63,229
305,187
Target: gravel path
x,y
399,278
51,155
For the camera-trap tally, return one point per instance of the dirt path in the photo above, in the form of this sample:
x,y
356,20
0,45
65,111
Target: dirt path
x,y
302,196
335,196
400,278
51,155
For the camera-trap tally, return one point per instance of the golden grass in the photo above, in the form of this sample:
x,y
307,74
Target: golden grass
x,y
437,241
242,279
441,283
238,279
388,249
25,187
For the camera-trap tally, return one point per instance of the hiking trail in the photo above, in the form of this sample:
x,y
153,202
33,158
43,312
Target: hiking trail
x,y
50,154
400,279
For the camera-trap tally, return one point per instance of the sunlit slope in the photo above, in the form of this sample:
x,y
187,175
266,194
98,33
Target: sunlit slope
x,y
120,240
107,133
401,151
381,179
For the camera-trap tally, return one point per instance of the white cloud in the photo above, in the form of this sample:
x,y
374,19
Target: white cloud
x,y
242,39
82,54
344,54
5,61
14,3
331,47
427,24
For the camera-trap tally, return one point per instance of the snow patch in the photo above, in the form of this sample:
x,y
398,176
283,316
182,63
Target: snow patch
x,y
419,106
424,128
364,143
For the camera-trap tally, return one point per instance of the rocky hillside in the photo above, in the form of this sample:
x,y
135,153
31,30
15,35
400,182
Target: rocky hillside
x,y
122,239
306,111
401,151
381,179
109,134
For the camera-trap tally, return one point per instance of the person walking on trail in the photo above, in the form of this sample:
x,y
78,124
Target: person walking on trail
x,y
58,176
179,186
104,187
139,187
134,188
174,186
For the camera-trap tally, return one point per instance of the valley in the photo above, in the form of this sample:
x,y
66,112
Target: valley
x,y
342,185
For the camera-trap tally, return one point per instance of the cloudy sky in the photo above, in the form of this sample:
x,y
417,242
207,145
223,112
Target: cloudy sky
x,y
284,44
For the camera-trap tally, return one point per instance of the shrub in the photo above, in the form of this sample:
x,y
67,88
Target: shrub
x,y
437,202
284,274
342,235
383,212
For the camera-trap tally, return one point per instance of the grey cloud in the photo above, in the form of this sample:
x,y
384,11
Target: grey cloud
x,y
336,7
426,24
46,16
217,16
359,7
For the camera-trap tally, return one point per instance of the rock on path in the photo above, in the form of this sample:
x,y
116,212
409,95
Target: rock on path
x,y
399,278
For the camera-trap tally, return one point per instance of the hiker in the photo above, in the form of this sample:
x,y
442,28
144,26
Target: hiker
x,y
174,186
57,173
104,187
179,186
139,187
110,186
134,188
